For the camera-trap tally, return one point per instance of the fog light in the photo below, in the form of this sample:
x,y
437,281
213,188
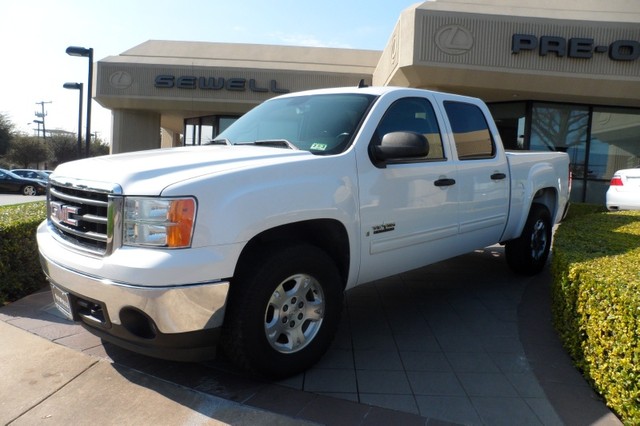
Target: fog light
x,y
137,323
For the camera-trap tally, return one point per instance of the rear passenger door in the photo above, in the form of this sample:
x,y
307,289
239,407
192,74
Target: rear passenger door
x,y
483,175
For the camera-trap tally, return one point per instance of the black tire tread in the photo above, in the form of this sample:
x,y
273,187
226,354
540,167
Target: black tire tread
x,y
517,251
250,350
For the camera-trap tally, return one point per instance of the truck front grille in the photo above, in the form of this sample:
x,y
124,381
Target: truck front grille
x,y
84,214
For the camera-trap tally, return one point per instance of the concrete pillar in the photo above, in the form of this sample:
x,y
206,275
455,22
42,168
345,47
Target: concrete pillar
x,y
177,139
135,131
170,139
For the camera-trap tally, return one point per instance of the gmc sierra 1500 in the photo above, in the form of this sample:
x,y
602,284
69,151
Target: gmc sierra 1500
x,y
252,240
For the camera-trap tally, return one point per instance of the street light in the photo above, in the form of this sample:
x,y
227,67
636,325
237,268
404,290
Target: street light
x,y
77,86
87,53
38,122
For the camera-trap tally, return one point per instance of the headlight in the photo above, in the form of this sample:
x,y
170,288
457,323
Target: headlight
x,y
158,222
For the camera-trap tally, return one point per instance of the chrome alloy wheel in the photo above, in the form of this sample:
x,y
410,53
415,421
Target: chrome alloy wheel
x,y
294,314
538,240
29,190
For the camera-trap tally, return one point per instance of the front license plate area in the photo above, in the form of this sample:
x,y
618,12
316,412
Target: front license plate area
x,y
62,301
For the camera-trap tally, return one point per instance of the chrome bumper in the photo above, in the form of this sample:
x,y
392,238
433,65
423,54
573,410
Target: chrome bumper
x,y
172,309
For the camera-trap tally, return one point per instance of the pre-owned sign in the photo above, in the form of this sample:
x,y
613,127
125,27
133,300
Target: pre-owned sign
x,y
577,47
167,81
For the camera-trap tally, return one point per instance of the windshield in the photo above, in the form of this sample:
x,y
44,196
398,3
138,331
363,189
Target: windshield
x,y
321,124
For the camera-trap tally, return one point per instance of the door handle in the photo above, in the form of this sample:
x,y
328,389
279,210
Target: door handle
x,y
444,182
498,176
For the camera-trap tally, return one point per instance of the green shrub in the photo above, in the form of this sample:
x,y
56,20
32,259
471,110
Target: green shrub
x,y
596,303
20,271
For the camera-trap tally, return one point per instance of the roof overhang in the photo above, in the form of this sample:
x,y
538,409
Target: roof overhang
x,y
502,53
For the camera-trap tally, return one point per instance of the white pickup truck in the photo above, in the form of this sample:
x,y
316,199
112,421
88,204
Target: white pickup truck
x,y
251,241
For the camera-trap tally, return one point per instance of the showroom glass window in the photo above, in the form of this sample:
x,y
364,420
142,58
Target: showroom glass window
x,y
510,118
201,130
615,141
614,145
599,140
563,127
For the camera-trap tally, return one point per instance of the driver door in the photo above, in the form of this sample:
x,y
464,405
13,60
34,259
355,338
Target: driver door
x,y
409,207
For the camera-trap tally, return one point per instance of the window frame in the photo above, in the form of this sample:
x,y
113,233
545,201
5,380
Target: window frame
x,y
494,150
377,137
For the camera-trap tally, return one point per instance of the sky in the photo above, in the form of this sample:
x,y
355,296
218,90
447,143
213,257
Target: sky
x,y
34,36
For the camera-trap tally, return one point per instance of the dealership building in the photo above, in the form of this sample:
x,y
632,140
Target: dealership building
x,y
556,75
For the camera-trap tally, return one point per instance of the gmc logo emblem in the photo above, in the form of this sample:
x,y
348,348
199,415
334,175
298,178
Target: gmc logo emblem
x,y
62,213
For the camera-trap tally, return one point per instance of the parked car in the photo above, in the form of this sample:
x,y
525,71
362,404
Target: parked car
x,y
32,174
11,182
624,190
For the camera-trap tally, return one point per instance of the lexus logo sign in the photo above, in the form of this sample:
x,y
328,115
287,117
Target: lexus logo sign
x,y
454,39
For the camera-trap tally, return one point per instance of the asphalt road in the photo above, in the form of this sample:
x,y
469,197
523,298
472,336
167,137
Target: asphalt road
x,y
8,199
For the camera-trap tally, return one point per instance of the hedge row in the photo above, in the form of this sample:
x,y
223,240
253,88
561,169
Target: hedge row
x,y
596,303
20,271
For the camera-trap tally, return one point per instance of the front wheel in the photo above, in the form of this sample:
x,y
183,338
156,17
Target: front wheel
x,y
528,253
283,311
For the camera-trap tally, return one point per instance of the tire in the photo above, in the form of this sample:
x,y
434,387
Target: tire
x,y
527,255
29,190
283,311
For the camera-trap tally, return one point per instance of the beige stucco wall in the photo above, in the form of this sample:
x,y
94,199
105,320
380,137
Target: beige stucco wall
x,y
135,130
127,81
465,47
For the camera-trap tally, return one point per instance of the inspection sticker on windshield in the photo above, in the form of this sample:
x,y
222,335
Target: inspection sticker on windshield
x,y
319,146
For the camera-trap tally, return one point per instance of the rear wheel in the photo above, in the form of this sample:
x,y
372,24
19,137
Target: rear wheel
x,y
29,190
283,311
528,254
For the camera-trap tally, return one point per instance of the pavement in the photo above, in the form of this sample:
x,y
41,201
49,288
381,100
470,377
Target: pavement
x,y
463,341
8,199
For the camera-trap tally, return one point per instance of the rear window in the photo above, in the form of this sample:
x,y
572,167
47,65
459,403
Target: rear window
x,y
470,131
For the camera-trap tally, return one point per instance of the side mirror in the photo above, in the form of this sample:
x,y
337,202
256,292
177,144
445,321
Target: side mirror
x,y
399,145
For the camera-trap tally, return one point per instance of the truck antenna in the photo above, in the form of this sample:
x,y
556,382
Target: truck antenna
x,y
362,84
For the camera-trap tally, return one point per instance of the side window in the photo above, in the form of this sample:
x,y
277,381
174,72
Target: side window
x,y
470,131
412,115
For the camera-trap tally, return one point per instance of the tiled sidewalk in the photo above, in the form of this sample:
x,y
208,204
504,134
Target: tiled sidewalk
x,y
441,342
463,341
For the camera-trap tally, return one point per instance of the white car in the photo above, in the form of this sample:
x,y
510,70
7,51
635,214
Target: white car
x,y
624,190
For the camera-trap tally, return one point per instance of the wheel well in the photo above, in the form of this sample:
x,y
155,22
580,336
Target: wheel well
x,y
548,198
327,234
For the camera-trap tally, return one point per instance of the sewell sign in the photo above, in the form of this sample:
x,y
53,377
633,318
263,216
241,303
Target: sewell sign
x,y
577,47
167,81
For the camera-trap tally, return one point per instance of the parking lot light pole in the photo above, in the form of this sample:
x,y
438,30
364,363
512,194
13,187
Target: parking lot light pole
x,y
87,53
77,86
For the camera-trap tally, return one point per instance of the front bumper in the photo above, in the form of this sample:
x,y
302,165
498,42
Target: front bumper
x,y
179,322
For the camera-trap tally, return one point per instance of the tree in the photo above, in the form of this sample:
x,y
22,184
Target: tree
x,y
98,147
26,150
64,148
6,133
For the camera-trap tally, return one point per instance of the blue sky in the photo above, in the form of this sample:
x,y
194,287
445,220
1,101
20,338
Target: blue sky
x,y
35,34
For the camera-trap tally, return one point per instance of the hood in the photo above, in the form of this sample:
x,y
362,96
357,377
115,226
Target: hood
x,y
150,172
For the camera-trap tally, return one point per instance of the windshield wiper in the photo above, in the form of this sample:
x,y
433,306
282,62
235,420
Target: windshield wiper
x,y
222,141
276,143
